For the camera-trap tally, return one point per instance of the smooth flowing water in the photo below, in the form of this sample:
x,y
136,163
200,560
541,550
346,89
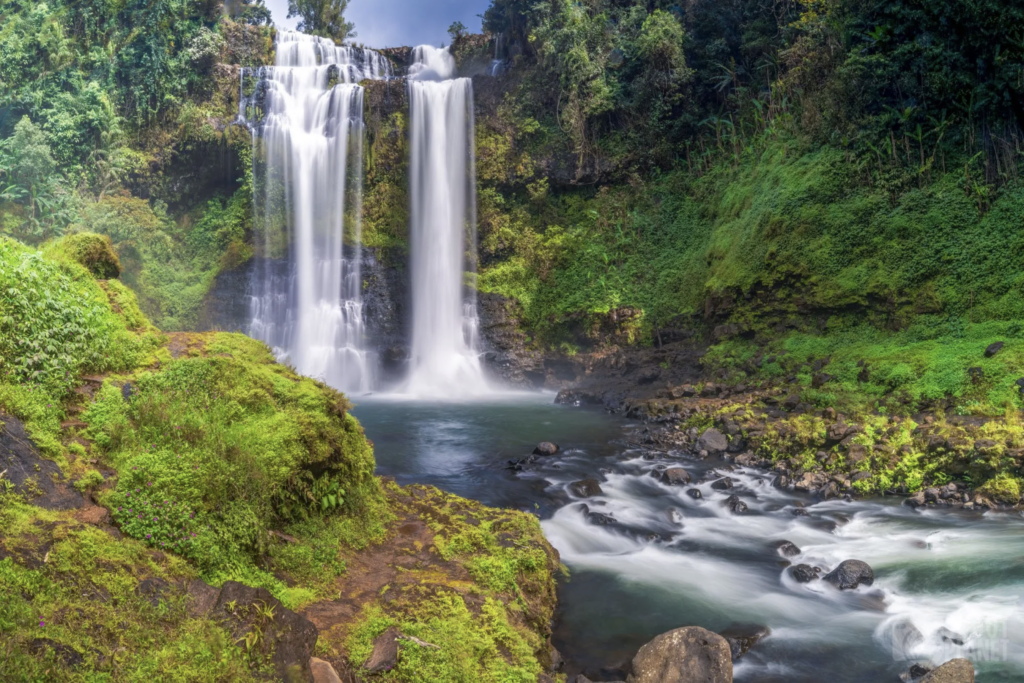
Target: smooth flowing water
x,y
444,357
670,560
308,146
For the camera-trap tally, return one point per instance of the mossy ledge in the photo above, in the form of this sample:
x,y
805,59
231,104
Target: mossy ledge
x,y
183,508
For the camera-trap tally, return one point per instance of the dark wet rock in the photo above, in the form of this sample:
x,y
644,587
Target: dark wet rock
x,y
384,656
520,464
915,672
953,671
580,678
1020,385
931,495
856,453
742,637
722,484
800,512
38,479
153,590
576,397
734,503
47,649
127,391
829,491
202,597
585,488
674,476
712,441
675,516
993,349
850,574
787,549
947,636
598,518
287,637
916,500
804,573
684,655
694,493
546,448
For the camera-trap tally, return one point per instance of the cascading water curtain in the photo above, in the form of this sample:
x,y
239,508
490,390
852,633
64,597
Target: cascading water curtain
x,y
445,360
308,146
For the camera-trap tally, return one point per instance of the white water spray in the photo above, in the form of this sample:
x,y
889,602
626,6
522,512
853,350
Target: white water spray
x,y
445,360
309,145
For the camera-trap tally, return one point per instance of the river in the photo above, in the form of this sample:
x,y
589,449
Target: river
x,y
942,577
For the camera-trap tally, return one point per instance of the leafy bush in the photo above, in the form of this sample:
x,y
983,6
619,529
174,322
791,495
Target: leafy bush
x,y
57,323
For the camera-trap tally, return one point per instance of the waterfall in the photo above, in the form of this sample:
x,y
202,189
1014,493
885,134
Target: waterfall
x,y
444,358
306,114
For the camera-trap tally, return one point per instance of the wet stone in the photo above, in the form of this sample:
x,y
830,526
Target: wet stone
x,y
804,573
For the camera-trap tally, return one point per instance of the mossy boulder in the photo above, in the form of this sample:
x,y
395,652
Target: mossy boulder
x,y
95,252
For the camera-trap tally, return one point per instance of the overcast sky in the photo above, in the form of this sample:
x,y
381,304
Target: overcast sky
x,y
391,23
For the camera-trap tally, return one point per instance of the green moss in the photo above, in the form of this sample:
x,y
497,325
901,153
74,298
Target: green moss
x,y
95,252
228,447
1003,488
482,646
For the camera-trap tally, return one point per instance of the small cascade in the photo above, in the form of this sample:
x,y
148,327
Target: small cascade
x,y
497,64
445,361
306,114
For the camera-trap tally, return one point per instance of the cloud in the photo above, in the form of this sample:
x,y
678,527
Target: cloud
x,y
390,23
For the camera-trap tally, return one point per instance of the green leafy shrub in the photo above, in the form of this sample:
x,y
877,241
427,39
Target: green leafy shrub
x,y
56,323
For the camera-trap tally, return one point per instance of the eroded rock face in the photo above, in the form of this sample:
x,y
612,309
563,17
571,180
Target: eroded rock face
x,y
685,655
850,574
288,635
39,479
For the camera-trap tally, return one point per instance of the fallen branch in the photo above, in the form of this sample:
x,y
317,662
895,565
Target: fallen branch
x,y
421,643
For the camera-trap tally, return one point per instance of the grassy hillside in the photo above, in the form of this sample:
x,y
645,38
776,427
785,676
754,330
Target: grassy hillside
x,y
193,457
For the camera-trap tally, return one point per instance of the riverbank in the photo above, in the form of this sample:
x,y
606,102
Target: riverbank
x,y
182,507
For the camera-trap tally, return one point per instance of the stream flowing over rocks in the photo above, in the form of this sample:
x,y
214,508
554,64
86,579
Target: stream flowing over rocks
x,y
800,586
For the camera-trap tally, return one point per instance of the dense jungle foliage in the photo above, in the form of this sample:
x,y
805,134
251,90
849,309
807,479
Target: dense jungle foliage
x,y
106,109
839,169
831,177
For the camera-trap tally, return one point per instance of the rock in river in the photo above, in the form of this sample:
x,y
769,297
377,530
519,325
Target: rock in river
x,y
722,484
804,573
850,574
742,637
734,503
787,549
546,448
684,655
674,476
585,488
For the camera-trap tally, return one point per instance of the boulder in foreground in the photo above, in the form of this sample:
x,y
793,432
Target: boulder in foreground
x,y
685,655
953,671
